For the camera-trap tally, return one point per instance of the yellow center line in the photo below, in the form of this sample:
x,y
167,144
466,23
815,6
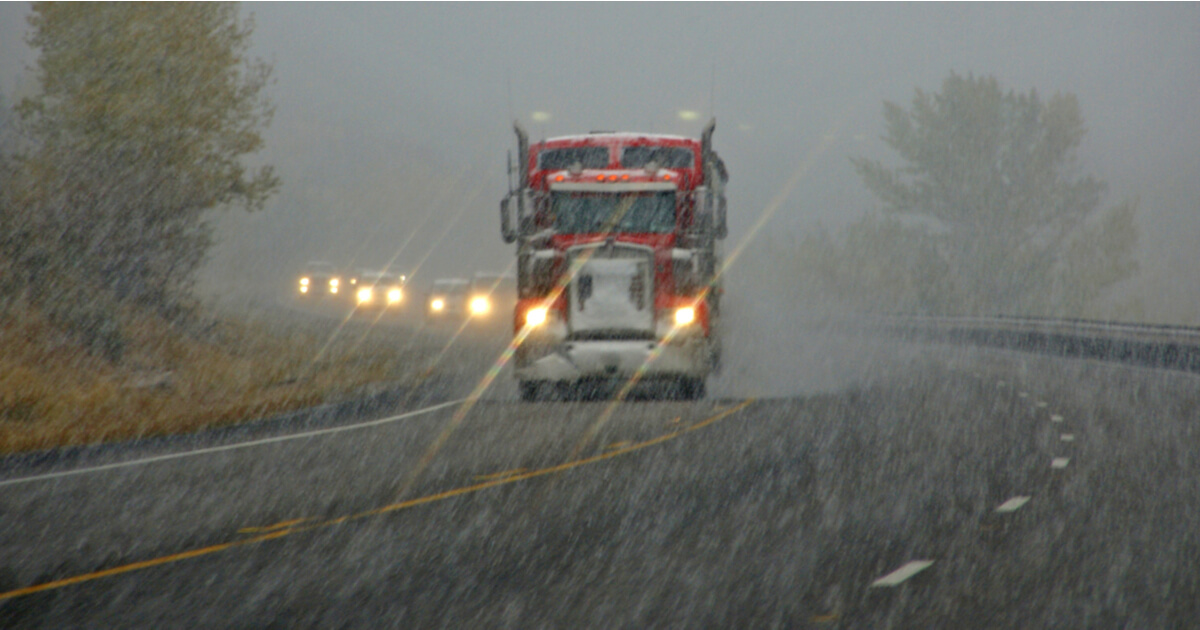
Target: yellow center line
x,y
203,551
499,475
271,528
619,444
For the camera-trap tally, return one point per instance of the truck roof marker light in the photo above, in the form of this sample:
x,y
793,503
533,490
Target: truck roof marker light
x,y
599,178
666,177
612,178
625,177
559,178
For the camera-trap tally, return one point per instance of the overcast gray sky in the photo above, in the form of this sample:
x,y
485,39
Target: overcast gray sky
x,y
389,112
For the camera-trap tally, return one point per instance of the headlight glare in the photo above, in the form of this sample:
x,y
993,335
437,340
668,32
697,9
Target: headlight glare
x,y
685,316
535,317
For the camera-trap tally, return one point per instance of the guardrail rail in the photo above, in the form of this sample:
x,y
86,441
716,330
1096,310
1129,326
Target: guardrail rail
x,y
1146,345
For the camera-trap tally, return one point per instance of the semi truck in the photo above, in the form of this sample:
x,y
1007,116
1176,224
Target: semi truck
x,y
618,244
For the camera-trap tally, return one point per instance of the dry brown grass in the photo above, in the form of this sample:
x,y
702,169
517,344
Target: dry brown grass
x,y
53,393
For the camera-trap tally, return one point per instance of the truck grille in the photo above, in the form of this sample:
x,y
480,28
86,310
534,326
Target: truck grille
x,y
612,295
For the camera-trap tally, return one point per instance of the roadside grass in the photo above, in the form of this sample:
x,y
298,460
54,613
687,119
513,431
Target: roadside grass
x,y
53,393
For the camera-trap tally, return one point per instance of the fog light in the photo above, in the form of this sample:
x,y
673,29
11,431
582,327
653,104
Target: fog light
x,y
685,316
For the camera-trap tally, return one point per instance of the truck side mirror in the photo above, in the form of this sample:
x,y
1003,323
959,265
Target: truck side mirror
x,y
506,225
701,210
720,227
525,212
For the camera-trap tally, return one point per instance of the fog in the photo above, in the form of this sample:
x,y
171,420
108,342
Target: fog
x,y
393,121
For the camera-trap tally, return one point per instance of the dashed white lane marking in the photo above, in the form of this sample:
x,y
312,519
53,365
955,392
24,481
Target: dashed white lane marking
x,y
1060,462
1067,437
1056,418
228,447
1023,395
1000,383
1012,505
1041,404
903,573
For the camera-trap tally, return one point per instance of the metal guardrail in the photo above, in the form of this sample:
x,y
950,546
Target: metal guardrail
x,y
1146,345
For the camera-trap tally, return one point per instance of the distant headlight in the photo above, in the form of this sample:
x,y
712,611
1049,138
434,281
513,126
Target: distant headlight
x,y
394,296
437,304
304,282
685,316
364,295
480,305
333,282
535,317
304,288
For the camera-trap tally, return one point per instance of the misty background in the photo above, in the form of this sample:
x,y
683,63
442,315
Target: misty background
x,y
393,121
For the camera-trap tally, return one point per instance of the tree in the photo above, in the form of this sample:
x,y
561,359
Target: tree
x,y
988,181
146,114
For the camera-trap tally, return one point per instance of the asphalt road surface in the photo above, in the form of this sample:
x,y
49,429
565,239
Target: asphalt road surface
x,y
888,487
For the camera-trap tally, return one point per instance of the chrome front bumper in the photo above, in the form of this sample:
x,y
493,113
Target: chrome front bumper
x,y
617,359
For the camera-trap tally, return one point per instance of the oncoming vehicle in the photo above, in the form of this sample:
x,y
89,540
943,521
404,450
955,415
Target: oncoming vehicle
x,y
447,298
318,278
376,290
618,256
492,296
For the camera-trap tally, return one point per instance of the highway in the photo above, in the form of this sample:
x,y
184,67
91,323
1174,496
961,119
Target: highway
x,y
857,483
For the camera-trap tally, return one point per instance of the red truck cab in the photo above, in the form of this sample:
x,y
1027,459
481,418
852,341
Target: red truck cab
x,y
618,260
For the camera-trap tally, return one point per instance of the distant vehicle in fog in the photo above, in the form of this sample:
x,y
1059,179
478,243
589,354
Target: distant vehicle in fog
x,y
318,278
492,296
447,299
376,290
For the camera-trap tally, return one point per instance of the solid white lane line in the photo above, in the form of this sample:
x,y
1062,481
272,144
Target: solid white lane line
x,y
1022,395
227,447
903,573
1067,437
1041,404
1012,505
1060,462
1056,418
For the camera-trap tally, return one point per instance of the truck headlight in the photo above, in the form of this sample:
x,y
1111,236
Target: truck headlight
x,y
437,304
535,317
685,316
364,295
394,296
480,305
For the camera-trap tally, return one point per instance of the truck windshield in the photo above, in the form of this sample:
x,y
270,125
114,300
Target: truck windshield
x,y
592,213
666,157
587,157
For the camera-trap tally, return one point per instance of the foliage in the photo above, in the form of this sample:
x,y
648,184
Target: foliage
x,y
986,213
146,114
